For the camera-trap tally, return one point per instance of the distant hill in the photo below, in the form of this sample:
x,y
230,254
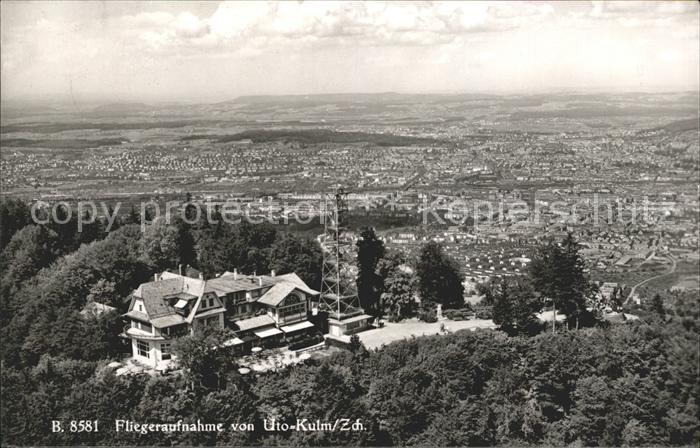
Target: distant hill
x,y
122,109
344,98
313,136
325,98
690,124
603,111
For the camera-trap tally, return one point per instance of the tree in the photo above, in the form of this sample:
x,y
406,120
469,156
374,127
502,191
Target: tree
x,y
439,279
355,343
514,308
657,306
592,413
398,300
49,302
616,299
30,250
370,250
104,292
14,215
557,272
487,290
302,256
160,245
133,216
187,254
204,358
245,247
635,434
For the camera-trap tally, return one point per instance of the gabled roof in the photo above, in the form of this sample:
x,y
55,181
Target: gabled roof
x,y
96,308
277,293
294,279
152,295
155,294
173,288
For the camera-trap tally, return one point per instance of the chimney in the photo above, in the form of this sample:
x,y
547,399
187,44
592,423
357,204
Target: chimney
x,y
272,273
235,274
201,276
259,281
181,268
155,277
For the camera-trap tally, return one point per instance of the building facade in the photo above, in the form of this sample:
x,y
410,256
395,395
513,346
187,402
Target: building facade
x,y
262,310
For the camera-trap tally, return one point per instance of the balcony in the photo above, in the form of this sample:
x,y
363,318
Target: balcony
x,y
135,333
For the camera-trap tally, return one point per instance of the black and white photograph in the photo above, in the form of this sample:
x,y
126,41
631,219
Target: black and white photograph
x,y
350,223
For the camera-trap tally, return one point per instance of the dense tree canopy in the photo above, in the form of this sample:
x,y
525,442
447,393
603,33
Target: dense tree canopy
x,y
629,384
622,385
290,253
14,215
439,278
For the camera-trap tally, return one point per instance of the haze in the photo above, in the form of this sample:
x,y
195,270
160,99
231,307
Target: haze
x,y
113,51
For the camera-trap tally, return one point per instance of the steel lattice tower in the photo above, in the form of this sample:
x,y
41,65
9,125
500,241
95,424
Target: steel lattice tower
x,y
339,289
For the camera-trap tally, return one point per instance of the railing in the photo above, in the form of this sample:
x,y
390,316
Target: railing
x,y
136,333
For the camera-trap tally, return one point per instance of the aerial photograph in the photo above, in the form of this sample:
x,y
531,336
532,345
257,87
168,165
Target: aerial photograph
x,y
350,223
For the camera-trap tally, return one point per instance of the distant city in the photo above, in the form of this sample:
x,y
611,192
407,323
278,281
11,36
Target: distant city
x,y
627,163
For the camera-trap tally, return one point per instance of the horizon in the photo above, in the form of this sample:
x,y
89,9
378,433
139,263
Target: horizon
x,y
66,101
207,52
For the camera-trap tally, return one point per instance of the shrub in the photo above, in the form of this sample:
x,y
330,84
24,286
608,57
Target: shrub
x,y
483,312
429,316
459,314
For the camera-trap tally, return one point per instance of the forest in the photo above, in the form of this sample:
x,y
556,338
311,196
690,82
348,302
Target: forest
x,y
589,382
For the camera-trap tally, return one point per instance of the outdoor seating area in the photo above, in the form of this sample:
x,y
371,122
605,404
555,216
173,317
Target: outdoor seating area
x,y
276,359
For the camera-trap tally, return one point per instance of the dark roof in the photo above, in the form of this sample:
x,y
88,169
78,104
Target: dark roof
x,y
156,294
277,293
153,294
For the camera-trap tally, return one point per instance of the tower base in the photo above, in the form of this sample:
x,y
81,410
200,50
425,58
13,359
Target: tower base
x,y
348,325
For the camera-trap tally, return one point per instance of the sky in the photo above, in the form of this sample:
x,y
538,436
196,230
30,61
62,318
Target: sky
x,y
209,51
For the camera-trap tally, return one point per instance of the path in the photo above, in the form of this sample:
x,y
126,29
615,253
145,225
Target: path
x,y
674,264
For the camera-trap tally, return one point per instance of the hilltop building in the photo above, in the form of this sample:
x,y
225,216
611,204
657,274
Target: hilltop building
x,y
262,310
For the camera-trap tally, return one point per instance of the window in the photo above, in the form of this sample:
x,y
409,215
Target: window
x,y
142,326
143,349
211,303
353,325
210,321
164,351
176,330
294,309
